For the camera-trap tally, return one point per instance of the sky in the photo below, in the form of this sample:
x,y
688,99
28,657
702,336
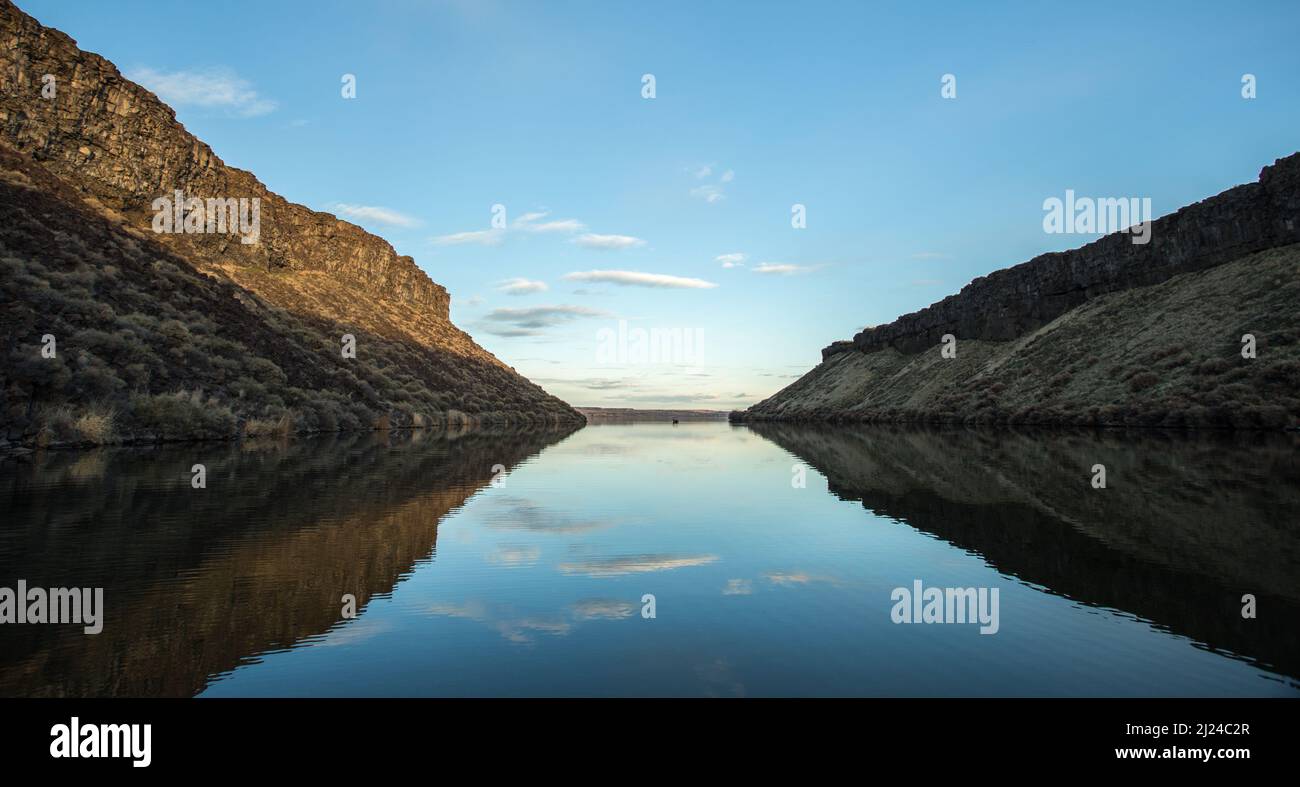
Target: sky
x,y
920,139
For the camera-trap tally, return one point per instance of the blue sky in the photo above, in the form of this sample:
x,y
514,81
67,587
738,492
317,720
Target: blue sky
x,y
537,106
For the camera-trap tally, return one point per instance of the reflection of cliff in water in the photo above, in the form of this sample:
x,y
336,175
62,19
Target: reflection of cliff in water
x,y
197,581
1185,526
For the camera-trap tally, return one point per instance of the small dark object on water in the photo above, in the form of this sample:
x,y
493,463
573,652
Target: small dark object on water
x,y
674,422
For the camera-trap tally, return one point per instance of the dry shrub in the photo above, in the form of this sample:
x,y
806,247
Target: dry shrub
x,y
96,425
269,427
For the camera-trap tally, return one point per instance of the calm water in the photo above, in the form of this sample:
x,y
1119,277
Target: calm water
x,y
534,585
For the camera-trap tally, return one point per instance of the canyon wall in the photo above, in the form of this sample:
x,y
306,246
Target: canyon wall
x,y
1015,301
124,146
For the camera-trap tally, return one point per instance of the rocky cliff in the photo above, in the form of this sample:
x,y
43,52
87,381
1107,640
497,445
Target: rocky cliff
x,y
1112,333
1014,301
114,331
118,142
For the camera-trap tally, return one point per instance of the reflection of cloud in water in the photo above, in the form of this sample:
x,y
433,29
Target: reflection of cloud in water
x,y
792,578
738,587
515,629
349,633
634,564
522,629
521,514
515,555
602,609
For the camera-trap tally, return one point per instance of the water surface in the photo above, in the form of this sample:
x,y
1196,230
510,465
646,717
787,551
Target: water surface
x,y
532,578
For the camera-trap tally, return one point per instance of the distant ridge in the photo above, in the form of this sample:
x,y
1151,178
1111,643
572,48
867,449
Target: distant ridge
x,y
629,414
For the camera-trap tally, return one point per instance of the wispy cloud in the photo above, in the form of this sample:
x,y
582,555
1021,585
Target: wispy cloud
x,y
639,279
712,192
783,268
210,88
592,383
526,222
519,286
532,320
735,260
562,225
608,242
377,214
532,222
480,237
709,193
931,255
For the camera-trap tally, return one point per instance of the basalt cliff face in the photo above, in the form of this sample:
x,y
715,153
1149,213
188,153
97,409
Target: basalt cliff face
x,y
1112,333
119,143
114,331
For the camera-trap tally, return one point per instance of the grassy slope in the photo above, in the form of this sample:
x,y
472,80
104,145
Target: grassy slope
x,y
151,347
1168,354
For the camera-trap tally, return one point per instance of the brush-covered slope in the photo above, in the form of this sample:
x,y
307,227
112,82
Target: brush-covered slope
x,y
1109,334
165,335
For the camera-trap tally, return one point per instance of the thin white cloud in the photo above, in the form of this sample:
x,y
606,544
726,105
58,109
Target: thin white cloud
x,y
639,279
734,260
377,214
709,193
521,286
481,237
211,88
528,223
532,321
931,255
783,268
714,192
562,225
607,242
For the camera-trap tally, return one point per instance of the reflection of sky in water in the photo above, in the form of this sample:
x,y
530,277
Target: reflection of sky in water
x,y
759,588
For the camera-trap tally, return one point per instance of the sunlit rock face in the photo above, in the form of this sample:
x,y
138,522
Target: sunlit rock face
x,y
120,143
253,326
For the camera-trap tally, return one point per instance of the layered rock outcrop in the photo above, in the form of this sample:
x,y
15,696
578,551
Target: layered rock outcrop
x,y
314,326
123,145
